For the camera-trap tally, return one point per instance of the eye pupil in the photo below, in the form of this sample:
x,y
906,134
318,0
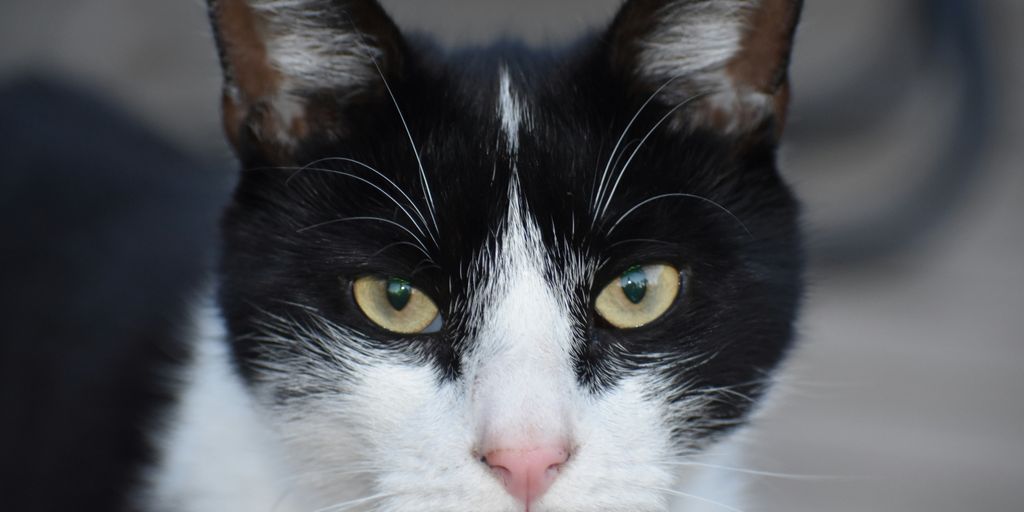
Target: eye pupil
x,y
634,284
399,292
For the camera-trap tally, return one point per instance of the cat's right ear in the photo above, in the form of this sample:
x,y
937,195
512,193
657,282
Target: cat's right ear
x,y
725,61
293,67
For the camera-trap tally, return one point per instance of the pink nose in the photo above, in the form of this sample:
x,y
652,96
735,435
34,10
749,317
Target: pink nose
x,y
527,473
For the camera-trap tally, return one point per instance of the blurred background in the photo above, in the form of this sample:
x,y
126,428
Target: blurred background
x,y
905,144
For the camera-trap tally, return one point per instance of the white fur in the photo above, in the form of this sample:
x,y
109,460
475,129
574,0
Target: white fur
x,y
333,424
224,452
511,111
692,44
694,38
518,387
370,431
311,54
217,454
713,484
383,434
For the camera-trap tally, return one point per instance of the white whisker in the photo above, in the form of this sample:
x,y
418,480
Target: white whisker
x,y
625,149
752,472
678,194
423,265
412,203
652,241
600,189
597,167
723,506
394,244
419,244
336,472
368,182
428,195
611,194
728,390
339,507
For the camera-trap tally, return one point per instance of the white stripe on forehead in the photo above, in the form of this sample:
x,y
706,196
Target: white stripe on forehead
x,y
511,111
520,363
515,275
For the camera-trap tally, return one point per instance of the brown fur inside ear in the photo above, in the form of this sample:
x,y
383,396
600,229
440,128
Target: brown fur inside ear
x,y
765,47
292,67
246,62
730,57
763,61
250,80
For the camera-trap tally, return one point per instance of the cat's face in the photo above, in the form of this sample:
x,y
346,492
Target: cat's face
x,y
506,281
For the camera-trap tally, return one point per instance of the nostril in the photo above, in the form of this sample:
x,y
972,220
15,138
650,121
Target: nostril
x,y
526,473
502,473
561,457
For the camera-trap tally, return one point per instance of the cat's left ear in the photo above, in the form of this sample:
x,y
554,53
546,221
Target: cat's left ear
x,y
726,59
293,68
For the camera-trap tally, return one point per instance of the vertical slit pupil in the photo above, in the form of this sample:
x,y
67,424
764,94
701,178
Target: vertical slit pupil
x,y
399,292
634,284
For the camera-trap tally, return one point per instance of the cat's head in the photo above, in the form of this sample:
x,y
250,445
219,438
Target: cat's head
x,y
468,282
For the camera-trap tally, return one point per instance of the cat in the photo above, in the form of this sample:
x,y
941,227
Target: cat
x,y
498,279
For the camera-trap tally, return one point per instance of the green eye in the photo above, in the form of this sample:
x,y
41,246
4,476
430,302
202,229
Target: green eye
x,y
634,284
639,296
399,292
396,305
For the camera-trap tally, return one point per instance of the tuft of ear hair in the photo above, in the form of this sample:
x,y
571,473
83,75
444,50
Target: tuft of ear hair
x,y
291,67
726,59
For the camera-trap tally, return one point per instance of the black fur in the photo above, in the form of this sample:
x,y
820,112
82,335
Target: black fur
x,y
107,236
742,266
111,232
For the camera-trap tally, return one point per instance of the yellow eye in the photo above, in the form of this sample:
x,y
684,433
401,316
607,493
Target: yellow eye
x,y
396,305
639,296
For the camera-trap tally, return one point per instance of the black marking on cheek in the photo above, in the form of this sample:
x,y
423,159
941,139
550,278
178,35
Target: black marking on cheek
x,y
452,345
723,413
749,285
587,356
444,355
595,365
